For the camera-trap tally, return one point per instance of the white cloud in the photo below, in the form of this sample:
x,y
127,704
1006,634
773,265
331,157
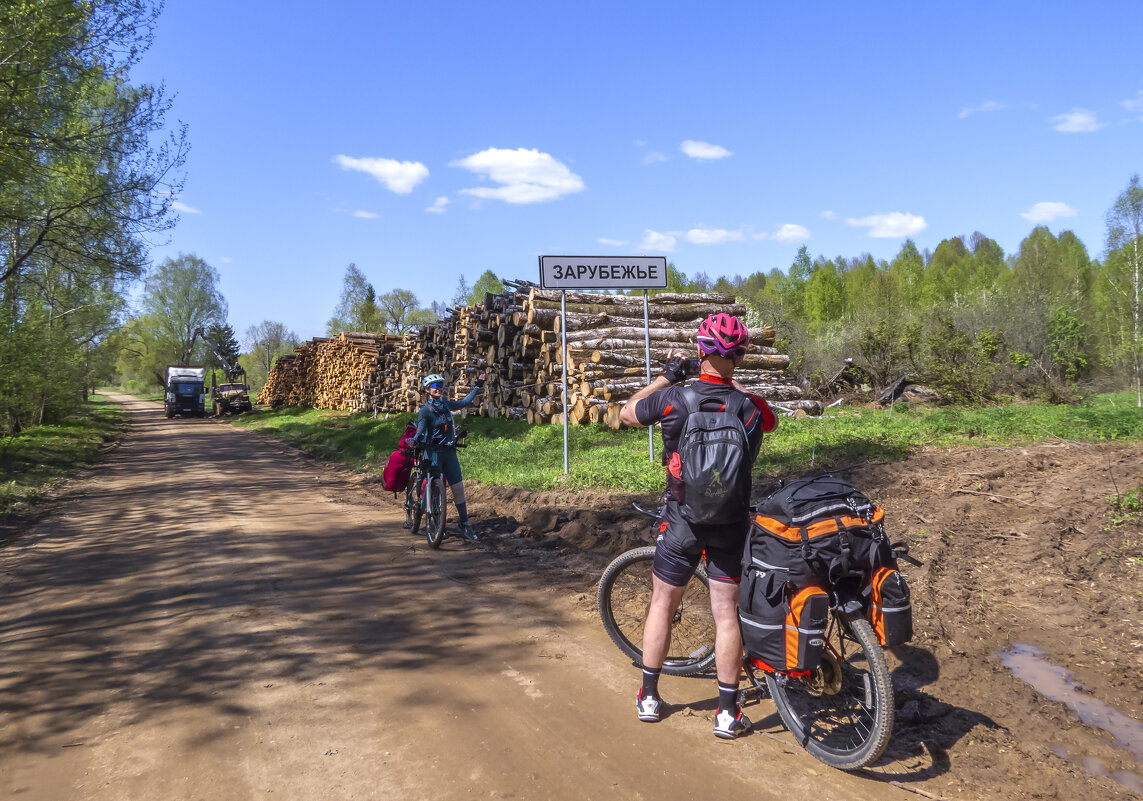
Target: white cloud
x,y
829,215
615,243
178,205
525,176
1078,120
225,259
890,226
988,105
712,236
365,215
654,157
438,206
397,176
1046,212
653,240
639,143
790,232
704,151
1135,103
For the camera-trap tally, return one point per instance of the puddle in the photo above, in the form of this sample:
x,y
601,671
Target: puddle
x,y
1096,766
1054,682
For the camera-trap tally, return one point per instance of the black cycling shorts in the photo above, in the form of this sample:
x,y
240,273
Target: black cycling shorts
x,y
680,545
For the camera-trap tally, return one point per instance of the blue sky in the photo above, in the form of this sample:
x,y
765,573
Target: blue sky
x,y
426,140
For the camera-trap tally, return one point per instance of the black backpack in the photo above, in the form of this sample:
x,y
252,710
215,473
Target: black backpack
x,y
715,456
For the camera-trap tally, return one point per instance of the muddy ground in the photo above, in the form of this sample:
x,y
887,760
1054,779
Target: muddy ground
x,y
1021,547
210,614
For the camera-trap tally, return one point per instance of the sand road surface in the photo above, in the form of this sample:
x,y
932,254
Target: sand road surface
x,y
207,615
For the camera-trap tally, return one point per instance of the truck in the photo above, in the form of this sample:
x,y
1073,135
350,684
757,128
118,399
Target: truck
x,y
185,391
233,396
229,398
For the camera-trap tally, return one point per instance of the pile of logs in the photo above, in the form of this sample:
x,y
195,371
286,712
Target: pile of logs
x,y
329,372
515,339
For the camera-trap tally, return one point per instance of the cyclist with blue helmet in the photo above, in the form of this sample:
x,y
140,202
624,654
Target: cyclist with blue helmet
x,y
435,429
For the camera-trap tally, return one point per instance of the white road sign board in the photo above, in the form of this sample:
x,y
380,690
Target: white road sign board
x,y
603,272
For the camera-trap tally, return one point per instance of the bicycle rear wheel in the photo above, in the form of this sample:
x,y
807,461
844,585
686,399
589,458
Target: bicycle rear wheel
x,y
842,713
435,511
623,597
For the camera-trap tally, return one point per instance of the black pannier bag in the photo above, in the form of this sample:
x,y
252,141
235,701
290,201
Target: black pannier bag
x,y
787,632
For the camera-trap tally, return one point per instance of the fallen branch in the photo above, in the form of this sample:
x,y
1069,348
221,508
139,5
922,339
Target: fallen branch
x,y
993,496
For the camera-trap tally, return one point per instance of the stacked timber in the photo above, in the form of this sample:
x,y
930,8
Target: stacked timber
x,y
607,349
516,339
329,372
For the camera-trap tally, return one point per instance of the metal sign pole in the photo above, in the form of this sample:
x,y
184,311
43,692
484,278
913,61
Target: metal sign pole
x,y
564,369
647,342
601,273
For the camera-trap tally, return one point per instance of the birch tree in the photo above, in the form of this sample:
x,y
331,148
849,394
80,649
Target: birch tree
x,y
1124,245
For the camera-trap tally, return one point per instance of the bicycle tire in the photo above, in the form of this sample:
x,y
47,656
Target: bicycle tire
x,y
623,596
415,494
843,712
436,510
409,502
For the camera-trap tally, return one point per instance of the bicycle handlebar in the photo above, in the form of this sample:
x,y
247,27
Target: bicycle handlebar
x,y
656,514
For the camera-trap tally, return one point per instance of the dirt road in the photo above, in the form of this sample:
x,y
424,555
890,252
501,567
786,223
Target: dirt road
x,y
206,615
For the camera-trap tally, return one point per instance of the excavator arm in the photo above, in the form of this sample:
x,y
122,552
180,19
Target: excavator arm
x,y
235,374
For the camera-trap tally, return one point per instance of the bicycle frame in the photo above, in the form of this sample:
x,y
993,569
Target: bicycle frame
x,y
424,469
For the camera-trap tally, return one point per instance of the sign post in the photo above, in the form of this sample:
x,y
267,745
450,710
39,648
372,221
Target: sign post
x,y
601,272
647,345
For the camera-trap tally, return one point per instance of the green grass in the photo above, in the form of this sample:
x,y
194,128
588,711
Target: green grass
x,y
34,459
512,453
1126,508
845,436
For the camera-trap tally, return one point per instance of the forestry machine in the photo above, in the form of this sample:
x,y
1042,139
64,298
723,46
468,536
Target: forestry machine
x,y
233,396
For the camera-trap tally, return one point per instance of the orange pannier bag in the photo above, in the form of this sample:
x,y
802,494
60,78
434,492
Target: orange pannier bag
x,y
890,607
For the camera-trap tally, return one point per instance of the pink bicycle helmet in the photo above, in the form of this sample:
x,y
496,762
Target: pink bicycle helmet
x,y
723,334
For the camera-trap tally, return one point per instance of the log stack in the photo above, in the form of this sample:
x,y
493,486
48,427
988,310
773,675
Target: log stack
x,y
329,372
515,338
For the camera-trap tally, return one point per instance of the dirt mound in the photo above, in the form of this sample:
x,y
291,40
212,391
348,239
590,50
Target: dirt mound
x,y
603,523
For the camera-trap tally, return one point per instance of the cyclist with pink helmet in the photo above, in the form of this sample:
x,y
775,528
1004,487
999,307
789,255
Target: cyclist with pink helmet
x,y
722,342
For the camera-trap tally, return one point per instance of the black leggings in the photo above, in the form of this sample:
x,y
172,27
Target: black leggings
x,y
450,465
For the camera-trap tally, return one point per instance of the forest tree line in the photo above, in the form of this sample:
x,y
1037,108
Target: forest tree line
x,y
88,172
1048,321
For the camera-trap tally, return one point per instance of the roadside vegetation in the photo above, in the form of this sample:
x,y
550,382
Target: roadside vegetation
x,y
510,453
34,459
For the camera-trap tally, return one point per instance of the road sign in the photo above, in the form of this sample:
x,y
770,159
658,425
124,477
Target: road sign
x,y
603,272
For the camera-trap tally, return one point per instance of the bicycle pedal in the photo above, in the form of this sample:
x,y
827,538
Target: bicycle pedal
x,y
752,695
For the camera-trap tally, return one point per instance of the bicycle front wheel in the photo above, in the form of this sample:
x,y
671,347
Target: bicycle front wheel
x,y
414,507
435,511
842,713
624,595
